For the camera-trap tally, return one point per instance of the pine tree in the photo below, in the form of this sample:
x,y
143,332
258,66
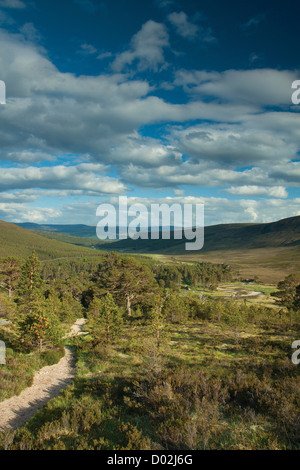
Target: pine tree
x,y
9,274
39,325
126,279
110,318
30,284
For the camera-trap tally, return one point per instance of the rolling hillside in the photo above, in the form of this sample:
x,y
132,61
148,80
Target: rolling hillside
x,y
269,251
19,242
284,233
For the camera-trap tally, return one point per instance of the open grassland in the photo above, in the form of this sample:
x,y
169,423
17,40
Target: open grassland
x,y
242,292
268,265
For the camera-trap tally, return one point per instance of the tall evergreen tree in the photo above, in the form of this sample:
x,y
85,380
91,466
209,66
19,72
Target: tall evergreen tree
x,y
110,318
9,274
39,325
30,284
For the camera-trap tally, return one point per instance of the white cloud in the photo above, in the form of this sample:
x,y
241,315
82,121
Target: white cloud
x,y
30,32
84,176
22,213
241,148
257,191
146,47
234,145
265,87
104,55
183,26
188,29
88,49
145,152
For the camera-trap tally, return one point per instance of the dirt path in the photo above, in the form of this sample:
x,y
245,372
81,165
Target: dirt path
x,y
237,293
47,383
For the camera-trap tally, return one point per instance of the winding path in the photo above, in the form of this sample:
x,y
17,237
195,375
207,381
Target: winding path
x,y
47,384
237,294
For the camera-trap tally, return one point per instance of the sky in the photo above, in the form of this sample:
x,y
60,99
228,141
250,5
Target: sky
x,y
160,101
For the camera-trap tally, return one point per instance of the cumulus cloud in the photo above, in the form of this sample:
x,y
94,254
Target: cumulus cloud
x,y
257,191
170,176
20,213
53,112
188,29
183,26
146,47
234,145
145,152
241,148
83,176
265,87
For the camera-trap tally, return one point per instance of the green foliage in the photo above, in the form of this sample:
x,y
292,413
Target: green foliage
x,y
109,318
175,308
40,327
18,243
52,356
188,371
39,324
9,274
30,283
7,307
287,294
127,280
197,274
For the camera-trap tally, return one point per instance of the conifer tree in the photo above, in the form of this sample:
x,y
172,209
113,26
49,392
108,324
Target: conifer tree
x,y
39,325
30,284
9,274
126,279
110,318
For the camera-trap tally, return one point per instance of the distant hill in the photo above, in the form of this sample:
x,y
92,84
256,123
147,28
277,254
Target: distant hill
x,y
269,251
79,230
284,233
19,242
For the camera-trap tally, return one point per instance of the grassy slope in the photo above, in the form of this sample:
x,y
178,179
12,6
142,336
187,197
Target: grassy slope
x,y
269,265
284,233
18,242
267,251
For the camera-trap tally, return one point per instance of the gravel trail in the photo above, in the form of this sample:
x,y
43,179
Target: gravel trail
x,y
47,384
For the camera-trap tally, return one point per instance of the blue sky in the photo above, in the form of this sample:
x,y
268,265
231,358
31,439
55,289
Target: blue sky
x,y
161,100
